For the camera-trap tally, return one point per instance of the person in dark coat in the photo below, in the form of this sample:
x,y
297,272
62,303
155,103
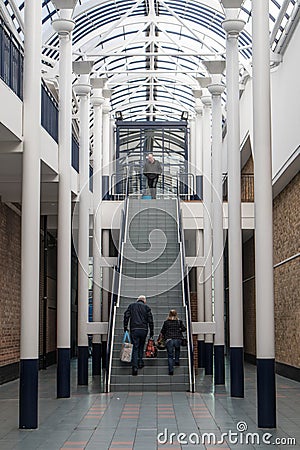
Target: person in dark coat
x,y
152,170
140,316
172,333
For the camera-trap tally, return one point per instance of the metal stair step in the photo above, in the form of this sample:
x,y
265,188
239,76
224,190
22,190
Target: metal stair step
x,y
158,279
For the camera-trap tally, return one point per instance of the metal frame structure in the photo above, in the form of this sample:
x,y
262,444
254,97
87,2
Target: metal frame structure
x,y
151,51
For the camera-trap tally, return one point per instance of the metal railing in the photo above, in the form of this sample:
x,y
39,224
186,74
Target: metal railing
x,y
247,187
115,299
11,61
49,113
75,154
181,185
186,300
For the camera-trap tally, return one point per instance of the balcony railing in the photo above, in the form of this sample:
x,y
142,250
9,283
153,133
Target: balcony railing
x,y
75,154
91,178
247,187
11,61
49,113
181,184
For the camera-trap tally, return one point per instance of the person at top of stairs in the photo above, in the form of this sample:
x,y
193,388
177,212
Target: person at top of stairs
x,y
141,318
152,170
172,333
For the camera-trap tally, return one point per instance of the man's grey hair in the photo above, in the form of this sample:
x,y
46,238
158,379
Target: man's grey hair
x,y
141,297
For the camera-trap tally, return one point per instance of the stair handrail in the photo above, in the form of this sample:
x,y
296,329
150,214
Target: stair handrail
x,y
116,294
186,299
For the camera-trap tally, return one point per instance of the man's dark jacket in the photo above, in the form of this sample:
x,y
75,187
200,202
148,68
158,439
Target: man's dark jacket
x,y
152,170
140,316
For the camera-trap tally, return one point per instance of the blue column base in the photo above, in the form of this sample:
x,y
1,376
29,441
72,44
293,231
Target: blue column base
x,y
201,354
199,187
219,364
105,187
63,372
237,372
104,349
209,353
28,396
266,393
96,359
83,368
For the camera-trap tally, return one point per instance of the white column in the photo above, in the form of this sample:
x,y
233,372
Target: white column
x,y
206,100
97,101
106,285
199,150
218,245
83,89
233,27
199,144
106,149
105,289
30,228
64,26
192,161
112,155
266,392
200,297
105,236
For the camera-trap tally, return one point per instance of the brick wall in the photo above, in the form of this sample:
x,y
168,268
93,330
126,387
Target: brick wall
x,y
10,295
286,220
286,232
10,285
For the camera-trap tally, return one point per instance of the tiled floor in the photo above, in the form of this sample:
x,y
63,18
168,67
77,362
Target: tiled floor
x,y
145,421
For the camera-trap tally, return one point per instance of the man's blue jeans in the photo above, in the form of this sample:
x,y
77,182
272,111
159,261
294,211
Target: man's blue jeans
x,y
138,338
171,345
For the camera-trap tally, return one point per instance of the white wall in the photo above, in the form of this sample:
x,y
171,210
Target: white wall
x,y
285,85
10,111
246,113
285,104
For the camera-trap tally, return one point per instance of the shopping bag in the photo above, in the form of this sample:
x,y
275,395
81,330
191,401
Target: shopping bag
x,y
126,350
184,342
151,349
161,343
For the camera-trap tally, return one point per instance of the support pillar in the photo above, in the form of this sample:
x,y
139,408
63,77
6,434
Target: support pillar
x,y
106,289
106,150
191,179
112,147
233,27
208,345
97,101
265,342
82,89
218,245
64,26
199,151
200,299
30,228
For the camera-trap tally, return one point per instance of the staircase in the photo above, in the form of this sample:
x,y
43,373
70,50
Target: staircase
x,y
151,265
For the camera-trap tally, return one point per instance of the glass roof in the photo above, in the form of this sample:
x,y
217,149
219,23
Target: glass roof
x,y
151,51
